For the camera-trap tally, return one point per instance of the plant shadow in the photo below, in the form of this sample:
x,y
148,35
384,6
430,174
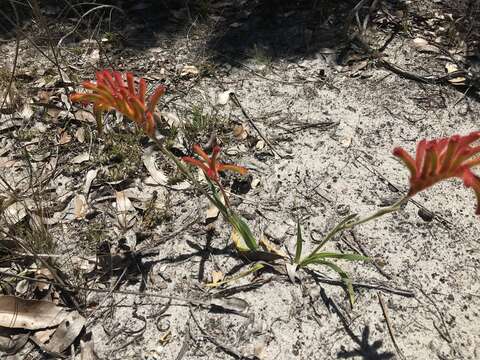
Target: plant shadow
x,y
365,350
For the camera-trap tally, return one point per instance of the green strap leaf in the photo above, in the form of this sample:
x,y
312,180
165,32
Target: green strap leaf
x,y
323,255
343,275
299,245
244,231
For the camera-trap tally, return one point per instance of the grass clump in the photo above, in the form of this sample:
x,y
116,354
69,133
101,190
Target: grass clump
x,y
122,154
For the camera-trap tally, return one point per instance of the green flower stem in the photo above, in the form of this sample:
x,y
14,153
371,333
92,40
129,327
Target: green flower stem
x,y
378,213
349,223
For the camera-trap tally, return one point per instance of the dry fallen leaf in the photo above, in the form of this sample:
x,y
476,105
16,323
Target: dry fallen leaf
x,y
18,313
42,336
423,45
231,304
358,67
80,207
87,351
43,274
80,135
15,213
22,287
27,112
66,333
149,161
91,175
80,158
270,247
260,144
158,177
217,276
223,97
86,116
65,138
11,343
171,119
189,71
291,271
240,132
125,209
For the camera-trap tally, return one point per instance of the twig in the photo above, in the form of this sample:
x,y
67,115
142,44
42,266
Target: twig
x,y
430,79
389,326
237,102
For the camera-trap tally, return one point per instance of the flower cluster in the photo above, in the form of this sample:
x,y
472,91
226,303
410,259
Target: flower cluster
x,y
111,92
210,166
441,159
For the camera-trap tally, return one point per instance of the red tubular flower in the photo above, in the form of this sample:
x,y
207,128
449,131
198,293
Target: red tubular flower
x,y
210,166
441,159
111,92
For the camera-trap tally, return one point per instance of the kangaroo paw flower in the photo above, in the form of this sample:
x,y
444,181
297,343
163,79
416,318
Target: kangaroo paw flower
x,y
441,159
112,92
210,166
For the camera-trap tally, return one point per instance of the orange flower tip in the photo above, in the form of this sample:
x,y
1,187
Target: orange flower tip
x,y
75,96
402,154
242,170
398,151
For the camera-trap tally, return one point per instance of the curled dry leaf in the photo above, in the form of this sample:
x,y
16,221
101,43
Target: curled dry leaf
x,y
158,177
231,304
171,119
26,113
149,161
212,213
459,81
18,313
43,274
22,287
260,145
